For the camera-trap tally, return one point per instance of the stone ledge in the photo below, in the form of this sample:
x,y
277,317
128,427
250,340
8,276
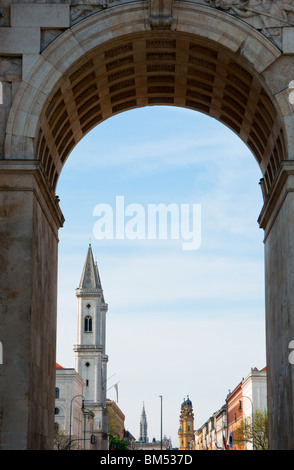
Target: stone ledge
x,y
282,186
27,175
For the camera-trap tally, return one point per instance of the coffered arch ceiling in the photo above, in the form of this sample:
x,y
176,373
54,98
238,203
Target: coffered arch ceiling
x,y
160,69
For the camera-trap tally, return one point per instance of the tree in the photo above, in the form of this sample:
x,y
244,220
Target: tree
x,y
117,444
115,427
254,431
61,440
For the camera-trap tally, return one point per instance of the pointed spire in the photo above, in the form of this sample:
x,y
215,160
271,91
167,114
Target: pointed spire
x,y
143,426
90,277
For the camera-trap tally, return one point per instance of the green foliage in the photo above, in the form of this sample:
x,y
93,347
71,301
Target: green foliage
x,y
253,431
117,444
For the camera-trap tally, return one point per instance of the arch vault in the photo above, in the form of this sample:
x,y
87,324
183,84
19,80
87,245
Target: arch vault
x,y
67,65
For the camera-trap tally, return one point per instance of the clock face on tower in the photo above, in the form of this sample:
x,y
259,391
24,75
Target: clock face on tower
x,y
188,423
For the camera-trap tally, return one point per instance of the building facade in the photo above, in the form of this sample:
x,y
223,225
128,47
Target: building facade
x,y
116,419
254,397
212,434
69,403
186,429
221,430
234,416
154,444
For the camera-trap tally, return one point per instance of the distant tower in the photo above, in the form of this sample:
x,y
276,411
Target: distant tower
x,y
143,426
90,358
186,429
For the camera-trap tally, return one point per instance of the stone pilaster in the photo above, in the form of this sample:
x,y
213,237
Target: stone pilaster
x,y
277,220
29,222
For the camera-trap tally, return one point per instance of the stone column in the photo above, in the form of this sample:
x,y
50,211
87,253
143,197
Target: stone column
x,y
277,220
29,222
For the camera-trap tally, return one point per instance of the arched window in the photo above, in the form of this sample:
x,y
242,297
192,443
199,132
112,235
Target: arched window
x,y
88,324
56,392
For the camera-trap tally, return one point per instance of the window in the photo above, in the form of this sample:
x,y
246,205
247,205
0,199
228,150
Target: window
x,y
57,410
88,324
56,392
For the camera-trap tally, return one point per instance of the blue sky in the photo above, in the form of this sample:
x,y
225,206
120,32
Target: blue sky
x,y
179,322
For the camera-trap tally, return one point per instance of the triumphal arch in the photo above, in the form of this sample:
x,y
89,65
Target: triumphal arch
x,y
67,65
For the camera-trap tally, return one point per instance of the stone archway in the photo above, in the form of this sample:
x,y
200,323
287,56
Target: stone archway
x,y
98,59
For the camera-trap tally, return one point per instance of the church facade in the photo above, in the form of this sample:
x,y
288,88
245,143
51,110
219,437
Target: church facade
x,y
90,356
186,429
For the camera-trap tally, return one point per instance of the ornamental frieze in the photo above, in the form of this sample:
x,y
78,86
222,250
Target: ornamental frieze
x,y
267,16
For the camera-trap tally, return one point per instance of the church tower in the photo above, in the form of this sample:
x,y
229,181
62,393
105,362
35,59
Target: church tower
x,y
186,429
143,426
90,357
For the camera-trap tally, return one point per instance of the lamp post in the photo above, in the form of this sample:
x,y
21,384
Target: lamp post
x,y
70,417
240,409
160,422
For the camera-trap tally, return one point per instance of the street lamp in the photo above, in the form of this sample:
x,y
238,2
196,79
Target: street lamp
x,y
160,422
83,406
240,409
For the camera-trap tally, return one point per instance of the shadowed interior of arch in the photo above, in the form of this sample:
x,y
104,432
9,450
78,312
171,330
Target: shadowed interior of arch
x,y
165,69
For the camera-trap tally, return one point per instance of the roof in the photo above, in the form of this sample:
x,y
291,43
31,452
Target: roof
x,y
186,402
90,277
58,366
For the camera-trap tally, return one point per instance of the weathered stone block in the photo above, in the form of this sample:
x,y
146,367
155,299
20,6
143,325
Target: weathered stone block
x,y
42,15
19,40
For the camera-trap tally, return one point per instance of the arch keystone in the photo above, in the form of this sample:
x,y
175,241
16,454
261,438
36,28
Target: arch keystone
x,y
161,14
